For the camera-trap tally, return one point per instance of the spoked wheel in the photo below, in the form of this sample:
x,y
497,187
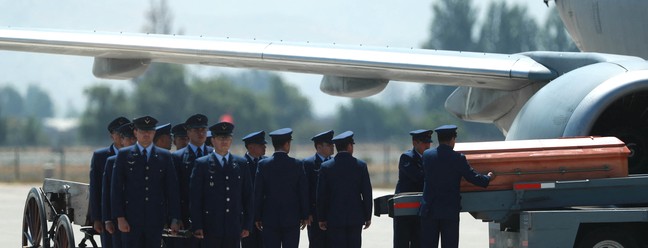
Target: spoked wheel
x,y
63,235
34,227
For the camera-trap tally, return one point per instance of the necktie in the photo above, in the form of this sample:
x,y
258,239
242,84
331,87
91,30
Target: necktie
x,y
256,161
198,152
224,161
145,154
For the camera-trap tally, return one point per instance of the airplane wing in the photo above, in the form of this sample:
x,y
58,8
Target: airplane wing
x,y
348,71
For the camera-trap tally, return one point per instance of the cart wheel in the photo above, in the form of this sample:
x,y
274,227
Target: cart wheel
x,y
64,235
34,227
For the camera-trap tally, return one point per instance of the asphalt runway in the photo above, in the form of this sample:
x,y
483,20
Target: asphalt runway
x,y
474,233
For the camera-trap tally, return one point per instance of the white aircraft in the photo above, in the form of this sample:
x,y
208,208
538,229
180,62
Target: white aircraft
x,y
602,90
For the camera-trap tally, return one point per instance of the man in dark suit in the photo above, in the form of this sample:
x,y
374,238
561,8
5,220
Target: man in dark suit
x,y
183,160
127,139
255,144
344,198
281,195
179,133
97,165
221,193
407,229
443,169
144,189
323,151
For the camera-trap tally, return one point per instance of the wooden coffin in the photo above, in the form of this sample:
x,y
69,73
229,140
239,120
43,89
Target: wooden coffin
x,y
545,160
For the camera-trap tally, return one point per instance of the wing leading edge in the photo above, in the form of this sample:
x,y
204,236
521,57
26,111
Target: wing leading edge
x,y
347,69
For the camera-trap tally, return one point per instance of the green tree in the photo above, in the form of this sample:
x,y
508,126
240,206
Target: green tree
x,y
162,92
103,106
39,103
289,106
218,96
452,25
554,36
508,29
11,102
373,122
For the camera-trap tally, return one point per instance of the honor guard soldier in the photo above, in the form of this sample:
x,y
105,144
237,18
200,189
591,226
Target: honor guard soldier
x,y
97,165
163,136
323,150
344,198
180,139
127,139
255,144
407,229
144,189
443,169
221,194
281,195
183,159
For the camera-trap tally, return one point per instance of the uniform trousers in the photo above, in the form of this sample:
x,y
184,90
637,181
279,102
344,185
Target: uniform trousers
x,y
432,227
407,232
316,236
254,240
116,238
345,236
106,239
211,241
281,237
142,238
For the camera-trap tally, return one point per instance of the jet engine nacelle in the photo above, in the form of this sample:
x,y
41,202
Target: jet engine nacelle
x,y
607,98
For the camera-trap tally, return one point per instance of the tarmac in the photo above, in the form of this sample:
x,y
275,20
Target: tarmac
x,y
473,233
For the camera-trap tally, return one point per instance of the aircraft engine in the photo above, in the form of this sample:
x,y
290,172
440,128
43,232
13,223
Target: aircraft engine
x,y
601,99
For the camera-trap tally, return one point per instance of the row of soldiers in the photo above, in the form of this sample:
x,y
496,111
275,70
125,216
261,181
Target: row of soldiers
x,y
138,186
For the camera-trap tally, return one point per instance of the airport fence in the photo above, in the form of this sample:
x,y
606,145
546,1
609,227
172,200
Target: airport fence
x,y
33,164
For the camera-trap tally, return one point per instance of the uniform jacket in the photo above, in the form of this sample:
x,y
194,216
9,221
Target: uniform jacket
x,y
410,172
221,196
106,213
252,166
144,192
96,176
280,191
344,191
183,160
444,169
312,166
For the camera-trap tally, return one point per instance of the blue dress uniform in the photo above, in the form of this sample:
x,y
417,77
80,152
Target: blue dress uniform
x,y
125,130
316,236
97,165
183,160
221,195
254,240
280,195
221,200
144,190
441,203
407,229
344,197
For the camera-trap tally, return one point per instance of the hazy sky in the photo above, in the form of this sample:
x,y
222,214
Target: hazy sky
x,y
367,22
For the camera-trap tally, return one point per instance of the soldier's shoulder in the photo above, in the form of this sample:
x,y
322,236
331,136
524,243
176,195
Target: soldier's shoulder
x,y
239,159
408,154
179,152
162,151
361,162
